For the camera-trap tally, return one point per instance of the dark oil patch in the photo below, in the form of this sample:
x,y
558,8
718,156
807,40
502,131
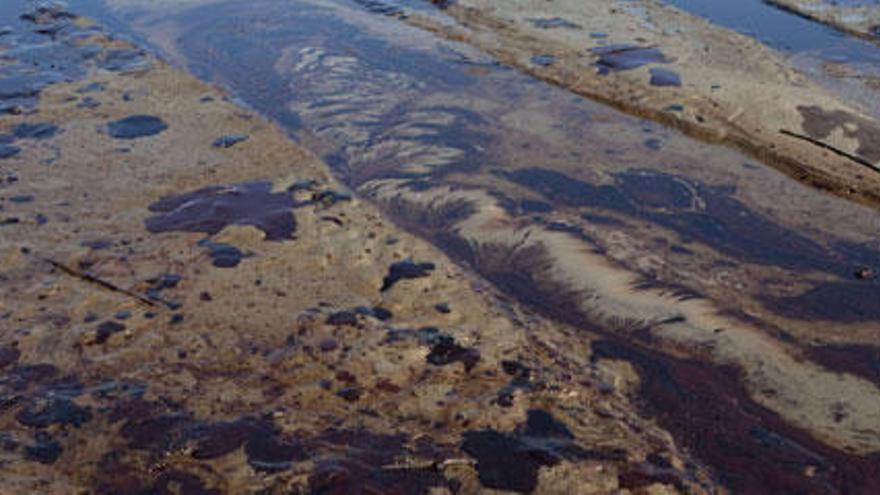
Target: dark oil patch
x,y
706,408
24,376
8,355
136,126
376,312
222,255
543,60
45,449
106,329
820,124
635,478
622,57
510,461
403,270
181,482
350,394
723,222
553,23
42,412
360,462
664,77
229,140
124,60
39,131
750,448
342,318
381,7
857,359
444,350
211,209
8,151
270,451
832,301
221,438
160,283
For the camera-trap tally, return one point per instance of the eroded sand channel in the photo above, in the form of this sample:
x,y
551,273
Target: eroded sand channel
x,y
722,282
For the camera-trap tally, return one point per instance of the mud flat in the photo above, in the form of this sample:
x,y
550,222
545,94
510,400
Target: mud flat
x,y
732,89
858,17
190,303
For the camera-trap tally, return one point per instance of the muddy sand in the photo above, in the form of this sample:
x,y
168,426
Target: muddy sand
x,y
191,304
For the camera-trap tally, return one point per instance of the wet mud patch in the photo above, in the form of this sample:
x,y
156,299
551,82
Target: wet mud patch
x,y
136,126
211,209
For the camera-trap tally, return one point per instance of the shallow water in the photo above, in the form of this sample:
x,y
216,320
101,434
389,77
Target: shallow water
x,y
656,243
810,45
782,30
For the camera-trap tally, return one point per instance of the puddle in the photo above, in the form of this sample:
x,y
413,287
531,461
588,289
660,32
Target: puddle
x,y
612,224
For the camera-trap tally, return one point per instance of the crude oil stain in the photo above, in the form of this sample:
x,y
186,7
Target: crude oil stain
x,y
211,209
222,255
136,126
750,448
695,211
444,350
405,270
229,140
625,57
833,301
8,151
510,461
38,131
664,77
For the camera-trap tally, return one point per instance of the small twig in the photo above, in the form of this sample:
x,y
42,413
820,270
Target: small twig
x,y
857,159
95,280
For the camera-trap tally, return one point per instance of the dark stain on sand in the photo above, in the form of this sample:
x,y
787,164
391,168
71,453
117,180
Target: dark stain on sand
x,y
136,126
211,209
